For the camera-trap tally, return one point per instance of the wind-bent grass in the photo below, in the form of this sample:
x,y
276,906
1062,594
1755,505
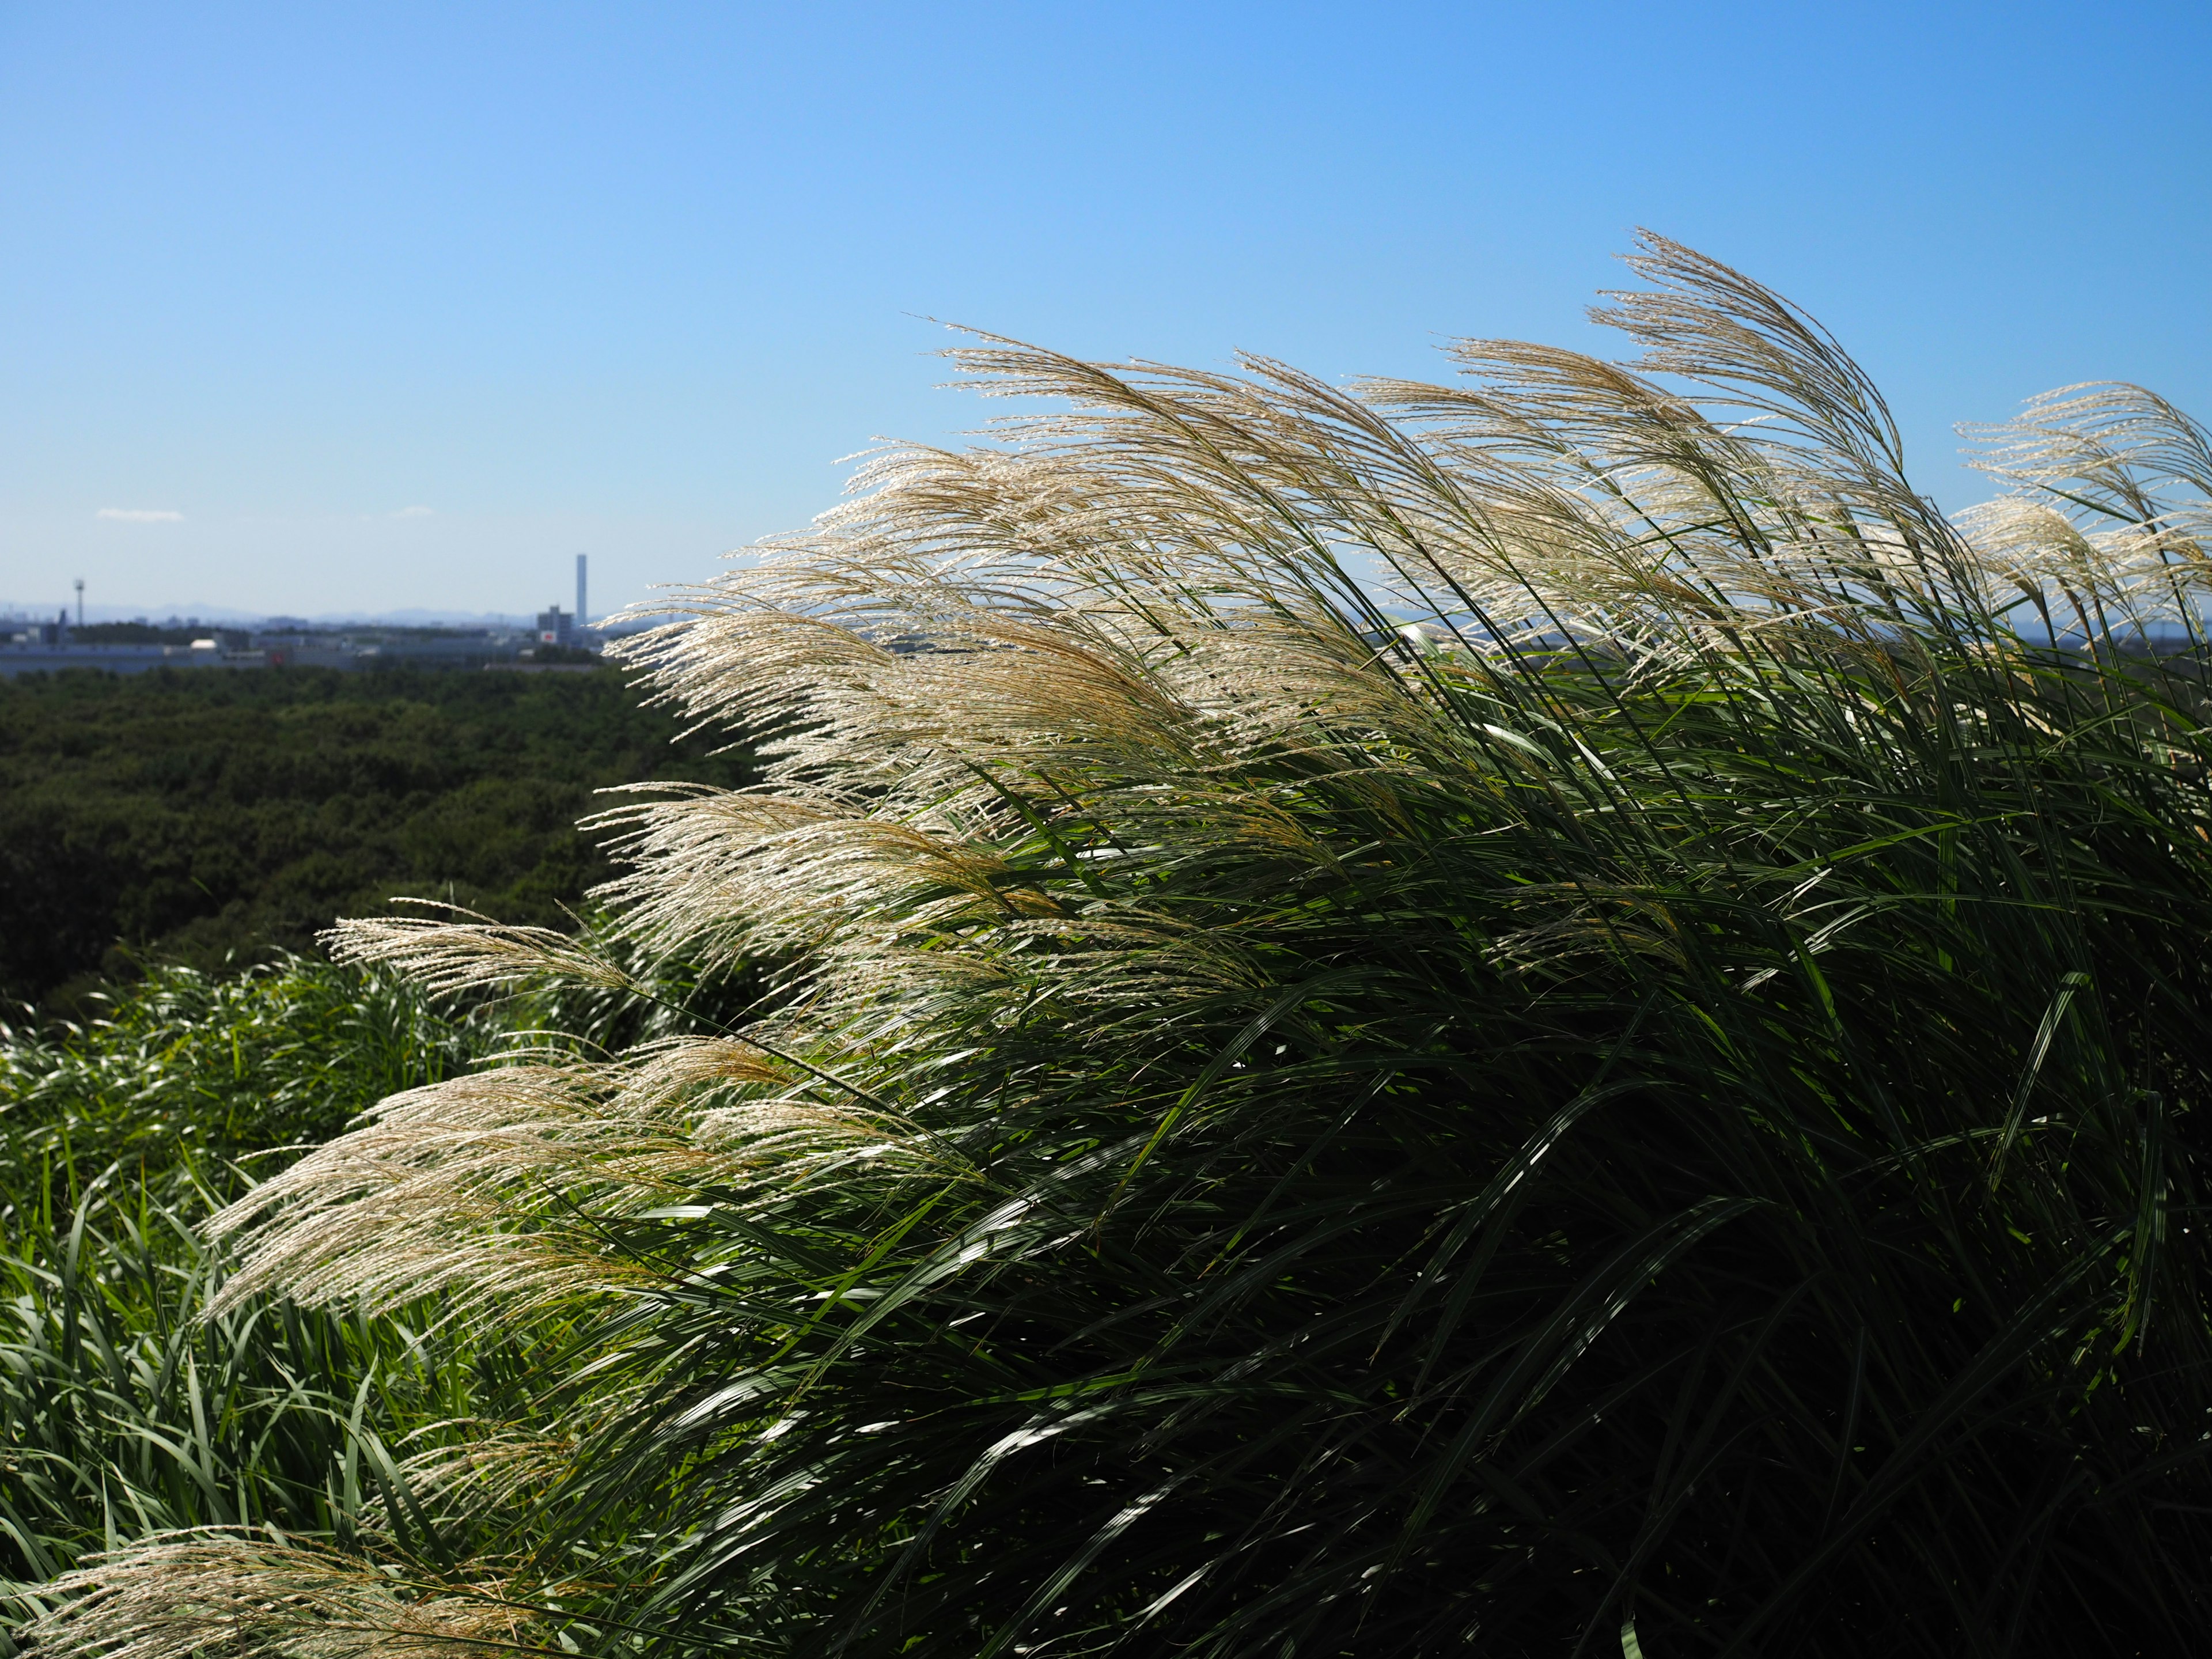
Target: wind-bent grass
x,y
1653,1109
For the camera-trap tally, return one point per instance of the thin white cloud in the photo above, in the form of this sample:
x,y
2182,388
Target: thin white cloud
x,y
414,512
140,514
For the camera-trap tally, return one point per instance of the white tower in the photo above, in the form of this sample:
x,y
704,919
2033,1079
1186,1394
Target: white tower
x,y
581,612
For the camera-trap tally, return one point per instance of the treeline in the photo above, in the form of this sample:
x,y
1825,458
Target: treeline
x,y
133,633
201,817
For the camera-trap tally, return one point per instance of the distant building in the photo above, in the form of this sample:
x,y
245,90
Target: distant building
x,y
31,645
556,627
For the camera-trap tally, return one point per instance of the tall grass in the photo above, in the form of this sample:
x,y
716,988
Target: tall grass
x,y
1541,1015
126,1411
192,1080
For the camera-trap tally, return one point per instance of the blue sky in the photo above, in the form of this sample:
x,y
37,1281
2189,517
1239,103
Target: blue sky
x,y
402,305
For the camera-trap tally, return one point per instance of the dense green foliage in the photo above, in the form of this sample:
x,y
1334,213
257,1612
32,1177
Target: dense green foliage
x,y
1662,1111
124,1410
183,1080
190,815
131,1405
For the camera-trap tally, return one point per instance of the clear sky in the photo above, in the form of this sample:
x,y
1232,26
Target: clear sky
x,y
396,306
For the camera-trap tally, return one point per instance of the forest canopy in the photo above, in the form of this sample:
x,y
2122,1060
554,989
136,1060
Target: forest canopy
x,y
202,815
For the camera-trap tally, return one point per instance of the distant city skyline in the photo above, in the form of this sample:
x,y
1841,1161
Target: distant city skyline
x,y
359,311
222,616
104,610
84,609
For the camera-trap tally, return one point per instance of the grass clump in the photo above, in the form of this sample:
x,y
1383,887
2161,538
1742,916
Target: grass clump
x,y
128,1409
1541,1015
181,1075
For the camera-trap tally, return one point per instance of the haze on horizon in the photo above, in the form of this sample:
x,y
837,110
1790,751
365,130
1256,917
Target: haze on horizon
x,y
403,307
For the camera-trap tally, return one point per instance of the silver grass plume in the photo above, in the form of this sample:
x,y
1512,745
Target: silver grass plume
x,y
190,1596
2105,529
464,949
491,1190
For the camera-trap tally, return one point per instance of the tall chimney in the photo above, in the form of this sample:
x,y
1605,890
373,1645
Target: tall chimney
x,y
80,594
580,590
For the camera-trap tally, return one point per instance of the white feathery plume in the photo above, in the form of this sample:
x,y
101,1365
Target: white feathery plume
x,y
182,1595
2108,525
442,954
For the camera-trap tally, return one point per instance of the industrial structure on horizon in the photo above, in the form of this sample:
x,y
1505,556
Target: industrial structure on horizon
x,y
559,627
30,645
